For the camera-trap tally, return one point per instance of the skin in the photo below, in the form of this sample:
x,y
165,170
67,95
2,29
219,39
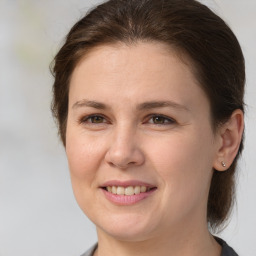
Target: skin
x,y
175,153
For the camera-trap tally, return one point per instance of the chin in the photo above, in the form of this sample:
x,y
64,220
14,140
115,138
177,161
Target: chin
x,y
126,228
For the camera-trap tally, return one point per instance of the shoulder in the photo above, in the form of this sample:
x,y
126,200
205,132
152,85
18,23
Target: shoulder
x,y
90,251
226,249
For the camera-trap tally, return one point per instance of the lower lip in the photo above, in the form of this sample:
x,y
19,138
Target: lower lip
x,y
127,200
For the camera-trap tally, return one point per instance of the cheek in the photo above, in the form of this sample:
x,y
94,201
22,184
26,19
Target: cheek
x,y
84,155
184,164
181,150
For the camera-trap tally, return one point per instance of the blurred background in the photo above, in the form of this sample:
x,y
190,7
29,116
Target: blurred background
x,y
38,212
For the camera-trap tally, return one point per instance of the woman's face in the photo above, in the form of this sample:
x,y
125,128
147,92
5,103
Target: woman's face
x,y
137,121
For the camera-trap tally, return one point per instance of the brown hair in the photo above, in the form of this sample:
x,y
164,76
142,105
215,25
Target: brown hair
x,y
185,25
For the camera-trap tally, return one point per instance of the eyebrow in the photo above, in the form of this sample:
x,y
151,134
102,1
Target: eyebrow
x,y
161,104
90,103
143,106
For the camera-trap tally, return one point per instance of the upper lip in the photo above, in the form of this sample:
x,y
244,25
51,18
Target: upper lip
x,y
126,183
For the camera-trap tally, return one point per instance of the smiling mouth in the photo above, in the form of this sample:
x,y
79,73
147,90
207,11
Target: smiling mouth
x,y
129,190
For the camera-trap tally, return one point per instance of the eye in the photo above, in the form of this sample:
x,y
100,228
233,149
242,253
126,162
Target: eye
x,y
161,120
93,119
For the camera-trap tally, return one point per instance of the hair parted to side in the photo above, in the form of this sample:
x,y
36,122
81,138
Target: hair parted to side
x,y
190,28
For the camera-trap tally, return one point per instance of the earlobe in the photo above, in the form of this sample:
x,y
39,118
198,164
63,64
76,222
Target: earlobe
x,y
230,134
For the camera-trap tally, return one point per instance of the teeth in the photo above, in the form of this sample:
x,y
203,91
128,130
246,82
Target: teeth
x,y
143,189
113,190
120,190
137,190
128,191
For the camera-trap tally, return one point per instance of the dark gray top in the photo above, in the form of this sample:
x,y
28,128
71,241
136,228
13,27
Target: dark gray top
x,y
226,249
90,251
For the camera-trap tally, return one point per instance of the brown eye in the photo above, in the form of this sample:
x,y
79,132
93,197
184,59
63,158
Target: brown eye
x,y
96,119
93,119
161,120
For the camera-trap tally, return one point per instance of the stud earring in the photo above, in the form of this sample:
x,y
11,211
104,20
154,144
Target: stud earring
x,y
223,164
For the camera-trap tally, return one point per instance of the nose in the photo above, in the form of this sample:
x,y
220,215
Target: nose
x,y
124,151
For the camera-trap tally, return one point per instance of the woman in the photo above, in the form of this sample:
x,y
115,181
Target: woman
x,y
148,96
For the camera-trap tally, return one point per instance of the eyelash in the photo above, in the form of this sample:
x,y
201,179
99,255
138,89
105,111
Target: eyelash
x,y
166,120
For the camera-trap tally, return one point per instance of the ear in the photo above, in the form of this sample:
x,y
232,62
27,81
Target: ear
x,y
230,135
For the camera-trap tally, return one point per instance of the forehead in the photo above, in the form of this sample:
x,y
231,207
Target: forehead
x,y
145,69
139,54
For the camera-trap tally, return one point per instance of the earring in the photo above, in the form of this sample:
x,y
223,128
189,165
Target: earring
x,y
223,164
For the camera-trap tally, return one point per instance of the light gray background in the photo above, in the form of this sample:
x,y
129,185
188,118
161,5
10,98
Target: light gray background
x,y
38,213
